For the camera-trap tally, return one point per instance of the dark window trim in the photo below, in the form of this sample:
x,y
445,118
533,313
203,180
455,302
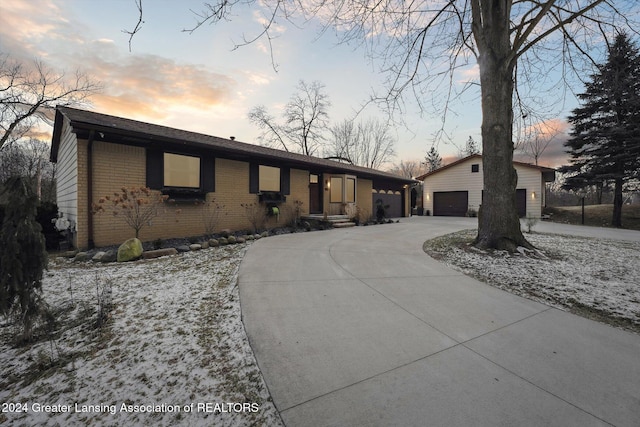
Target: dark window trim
x,y
155,176
254,178
475,167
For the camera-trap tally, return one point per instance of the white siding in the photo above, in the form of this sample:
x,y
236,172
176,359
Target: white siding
x,y
67,174
460,178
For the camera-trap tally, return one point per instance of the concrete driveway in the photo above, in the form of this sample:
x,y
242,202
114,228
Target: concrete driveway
x,y
359,327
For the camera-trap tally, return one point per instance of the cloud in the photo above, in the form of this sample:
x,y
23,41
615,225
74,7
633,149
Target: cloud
x,y
468,75
143,86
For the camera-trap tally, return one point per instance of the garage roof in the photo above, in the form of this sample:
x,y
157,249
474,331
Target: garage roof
x,y
548,174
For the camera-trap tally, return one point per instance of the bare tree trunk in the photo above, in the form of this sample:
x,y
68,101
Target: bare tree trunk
x,y
498,222
616,220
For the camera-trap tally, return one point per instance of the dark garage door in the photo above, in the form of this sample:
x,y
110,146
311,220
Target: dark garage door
x,y
521,202
450,203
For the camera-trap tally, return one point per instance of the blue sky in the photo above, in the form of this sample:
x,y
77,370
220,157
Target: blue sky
x,y
198,82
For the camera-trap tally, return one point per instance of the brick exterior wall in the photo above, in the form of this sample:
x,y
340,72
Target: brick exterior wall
x,y
116,166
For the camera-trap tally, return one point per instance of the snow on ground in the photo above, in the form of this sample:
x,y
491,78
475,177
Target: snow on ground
x,y
173,339
595,278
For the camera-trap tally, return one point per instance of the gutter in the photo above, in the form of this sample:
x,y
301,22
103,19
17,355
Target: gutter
x,y
90,189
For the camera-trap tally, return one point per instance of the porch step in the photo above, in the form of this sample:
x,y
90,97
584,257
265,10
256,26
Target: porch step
x,y
336,221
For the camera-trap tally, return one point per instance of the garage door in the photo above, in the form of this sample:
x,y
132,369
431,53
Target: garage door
x,y
450,203
521,202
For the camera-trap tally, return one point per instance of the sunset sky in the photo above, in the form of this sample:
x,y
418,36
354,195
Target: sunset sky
x,y
198,82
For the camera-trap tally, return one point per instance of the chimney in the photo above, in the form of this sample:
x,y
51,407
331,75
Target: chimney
x,y
233,138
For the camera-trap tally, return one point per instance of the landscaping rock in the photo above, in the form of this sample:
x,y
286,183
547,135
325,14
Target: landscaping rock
x,y
109,256
264,234
98,256
225,233
81,256
249,237
257,236
223,241
213,243
130,250
240,240
183,248
195,247
232,239
205,245
159,252
70,254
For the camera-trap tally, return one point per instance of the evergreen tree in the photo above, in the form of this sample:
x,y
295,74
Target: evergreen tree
x,y
605,140
23,258
433,160
470,148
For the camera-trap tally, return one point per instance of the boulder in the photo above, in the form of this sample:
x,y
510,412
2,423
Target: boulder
x,y
130,250
195,247
81,256
98,256
159,252
109,256
264,234
232,239
225,233
204,245
223,241
213,243
257,236
240,240
183,248
249,237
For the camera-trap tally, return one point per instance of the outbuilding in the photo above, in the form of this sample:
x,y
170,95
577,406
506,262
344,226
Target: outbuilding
x,y
457,188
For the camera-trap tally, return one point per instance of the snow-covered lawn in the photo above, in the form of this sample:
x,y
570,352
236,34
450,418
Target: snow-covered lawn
x,y
595,278
172,349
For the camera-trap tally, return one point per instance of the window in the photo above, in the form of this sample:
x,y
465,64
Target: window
x,y
313,179
336,189
269,178
351,190
181,171
475,167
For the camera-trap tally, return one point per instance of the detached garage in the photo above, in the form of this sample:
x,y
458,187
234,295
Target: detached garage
x,y
456,189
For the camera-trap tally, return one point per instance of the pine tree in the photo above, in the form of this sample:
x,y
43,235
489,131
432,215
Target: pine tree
x,y
23,258
605,140
433,160
470,148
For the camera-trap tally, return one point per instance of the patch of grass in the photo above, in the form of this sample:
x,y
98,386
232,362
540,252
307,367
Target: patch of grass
x,y
436,248
595,215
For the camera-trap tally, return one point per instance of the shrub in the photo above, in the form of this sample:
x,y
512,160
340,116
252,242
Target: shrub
x,y
256,214
23,258
211,214
137,205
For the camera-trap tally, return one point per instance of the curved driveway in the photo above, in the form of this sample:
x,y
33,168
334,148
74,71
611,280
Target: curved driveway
x,y
359,327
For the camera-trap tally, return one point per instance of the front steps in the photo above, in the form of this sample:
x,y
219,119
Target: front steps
x,y
336,221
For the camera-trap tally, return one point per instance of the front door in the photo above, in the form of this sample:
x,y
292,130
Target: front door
x,y
315,201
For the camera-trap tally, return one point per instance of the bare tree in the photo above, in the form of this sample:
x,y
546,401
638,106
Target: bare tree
x,y
29,91
516,44
408,169
366,144
29,159
539,140
305,120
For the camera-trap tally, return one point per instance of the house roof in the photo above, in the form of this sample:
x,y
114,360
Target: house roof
x,y
133,132
547,173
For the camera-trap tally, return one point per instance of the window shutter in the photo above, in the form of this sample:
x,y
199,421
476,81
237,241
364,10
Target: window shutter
x,y
285,180
254,179
207,174
155,169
